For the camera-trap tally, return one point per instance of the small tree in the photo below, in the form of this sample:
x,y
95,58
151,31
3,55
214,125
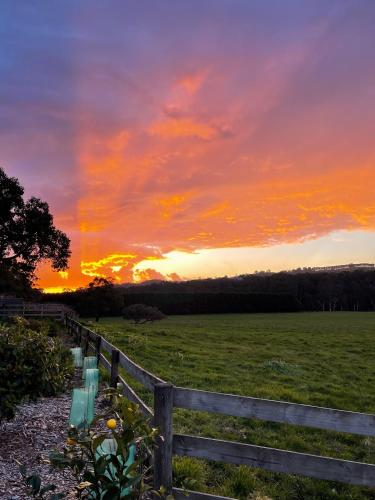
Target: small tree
x,y
140,313
100,296
27,237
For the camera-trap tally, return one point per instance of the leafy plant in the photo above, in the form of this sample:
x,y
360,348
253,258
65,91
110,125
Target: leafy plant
x,y
32,364
111,474
35,487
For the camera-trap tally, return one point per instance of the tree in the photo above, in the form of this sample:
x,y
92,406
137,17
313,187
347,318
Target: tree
x,y
27,237
100,295
140,313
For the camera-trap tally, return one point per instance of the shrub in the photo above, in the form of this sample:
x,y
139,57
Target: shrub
x,y
140,313
32,364
190,473
107,475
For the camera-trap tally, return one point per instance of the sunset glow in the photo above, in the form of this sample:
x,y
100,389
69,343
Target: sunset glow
x,y
194,139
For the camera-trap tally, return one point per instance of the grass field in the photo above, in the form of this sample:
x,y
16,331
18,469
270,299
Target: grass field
x,y
324,359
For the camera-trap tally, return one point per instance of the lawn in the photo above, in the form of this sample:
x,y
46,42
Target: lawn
x,y
324,359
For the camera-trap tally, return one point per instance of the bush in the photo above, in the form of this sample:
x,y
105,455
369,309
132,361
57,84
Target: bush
x,y
140,313
32,364
190,473
106,475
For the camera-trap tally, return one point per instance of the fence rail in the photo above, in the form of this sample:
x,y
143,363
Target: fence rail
x,y
275,411
30,310
167,397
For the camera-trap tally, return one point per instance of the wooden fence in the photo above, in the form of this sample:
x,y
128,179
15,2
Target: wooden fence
x,y
167,397
31,310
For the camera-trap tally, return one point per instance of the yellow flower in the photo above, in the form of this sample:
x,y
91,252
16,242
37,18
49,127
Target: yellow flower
x,y
111,424
71,441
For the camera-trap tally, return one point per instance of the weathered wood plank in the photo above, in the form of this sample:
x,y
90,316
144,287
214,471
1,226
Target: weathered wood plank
x,y
133,396
115,356
107,346
163,411
104,361
98,343
143,376
180,494
275,411
275,460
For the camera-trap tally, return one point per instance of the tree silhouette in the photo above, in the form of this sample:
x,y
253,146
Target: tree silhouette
x,y
140,313
100,296
27,237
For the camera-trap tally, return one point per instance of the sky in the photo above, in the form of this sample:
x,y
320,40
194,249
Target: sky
x,y
183,139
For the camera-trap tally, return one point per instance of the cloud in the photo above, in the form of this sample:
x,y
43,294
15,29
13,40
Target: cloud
x,y
175,128
117,265
192,83
148,274
249,128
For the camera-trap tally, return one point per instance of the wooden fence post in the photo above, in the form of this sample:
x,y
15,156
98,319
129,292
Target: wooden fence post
x,y
75,330
115,358
79,337
86,343
98,343
163,411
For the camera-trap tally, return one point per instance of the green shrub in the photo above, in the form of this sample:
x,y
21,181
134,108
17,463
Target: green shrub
x,y
107,475
32,364
189,473
239,483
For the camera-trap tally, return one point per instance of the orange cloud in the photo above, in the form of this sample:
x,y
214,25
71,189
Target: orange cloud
x,y
108,265
174,178
173,204
141,275
192,83
184,127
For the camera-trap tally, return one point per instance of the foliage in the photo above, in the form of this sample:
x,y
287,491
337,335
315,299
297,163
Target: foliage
x,y
256,293
35,487
140,313
323,359
32,364
27,236
189,473
107,475
100,296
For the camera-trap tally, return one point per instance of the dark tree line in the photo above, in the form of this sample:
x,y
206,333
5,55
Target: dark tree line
x,y
278,292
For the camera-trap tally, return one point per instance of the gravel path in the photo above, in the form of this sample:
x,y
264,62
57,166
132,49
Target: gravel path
x,y
38,428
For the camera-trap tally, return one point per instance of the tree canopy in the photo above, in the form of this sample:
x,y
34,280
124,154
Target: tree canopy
x,y
27,237
141,313
99,296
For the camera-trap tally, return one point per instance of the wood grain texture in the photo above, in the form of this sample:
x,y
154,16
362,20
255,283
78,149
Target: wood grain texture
x,y
104,362
275,460
115,356
107,346
275,411
163,412
133,396
143,376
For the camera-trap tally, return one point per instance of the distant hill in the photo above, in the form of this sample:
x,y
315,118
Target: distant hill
x,y
335,269
336,288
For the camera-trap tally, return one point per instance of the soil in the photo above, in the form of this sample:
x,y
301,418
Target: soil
x,y
38,428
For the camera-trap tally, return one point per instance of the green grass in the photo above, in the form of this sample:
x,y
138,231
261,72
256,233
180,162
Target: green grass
x,y
324,359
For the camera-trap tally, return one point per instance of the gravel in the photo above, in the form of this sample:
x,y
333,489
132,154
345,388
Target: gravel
x,y
38,428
